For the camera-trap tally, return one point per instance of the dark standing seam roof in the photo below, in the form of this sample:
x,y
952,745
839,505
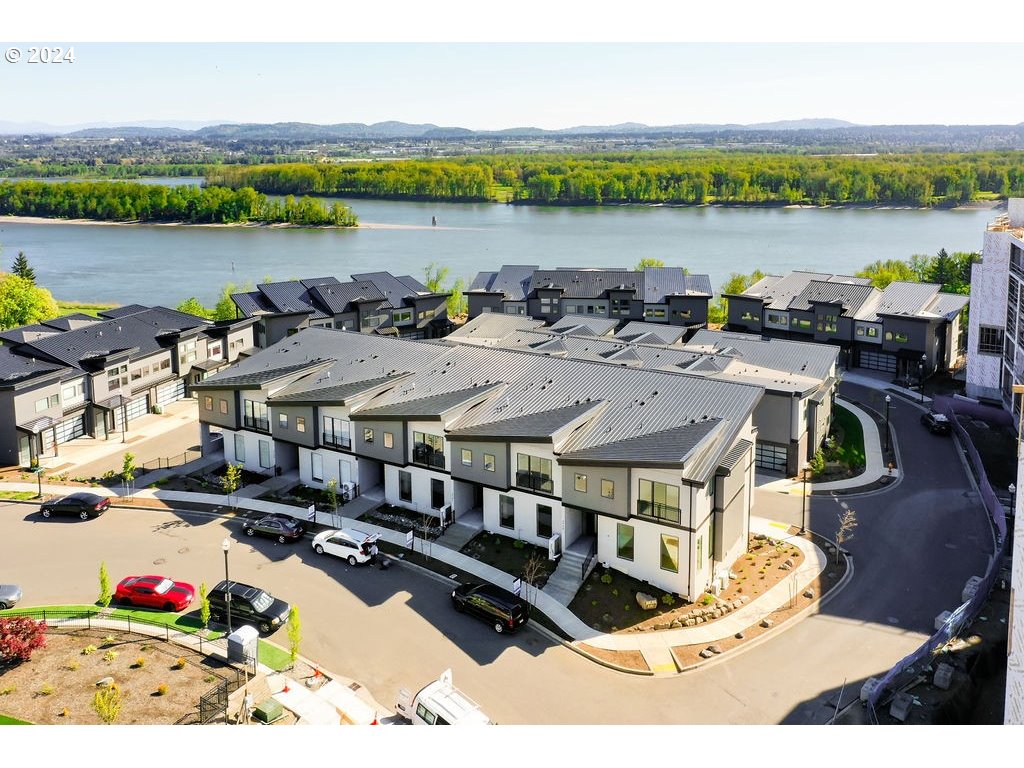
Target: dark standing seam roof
x,y
338,297
293,295
393,288
530,426
948,305
782,290
660,282
732,458
585,325
670,446
306,391
512,280
27,333
116,312
253,303
432,405
72,321
256,378
851,297
588,283
15,367
906,298
665,334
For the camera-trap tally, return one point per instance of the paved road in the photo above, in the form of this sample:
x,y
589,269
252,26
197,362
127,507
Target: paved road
x,y
914,547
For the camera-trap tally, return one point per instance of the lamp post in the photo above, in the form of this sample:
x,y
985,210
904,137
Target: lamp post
x,y
888,400
803,515
1013,497
920,375
226,545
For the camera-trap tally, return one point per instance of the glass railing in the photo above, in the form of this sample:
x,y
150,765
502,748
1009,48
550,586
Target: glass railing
x,y
535,481
658,511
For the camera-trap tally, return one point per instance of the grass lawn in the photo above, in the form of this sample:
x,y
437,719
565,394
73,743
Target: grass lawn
x,y
18,495
181,622
71,307
850,442
4,720
274,657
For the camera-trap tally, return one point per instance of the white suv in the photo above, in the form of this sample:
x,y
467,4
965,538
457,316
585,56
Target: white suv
x,y
349,543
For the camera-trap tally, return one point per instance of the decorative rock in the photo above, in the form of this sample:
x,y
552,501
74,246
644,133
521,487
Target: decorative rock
x,y
789,562
760,537
785,567
676,623
105,682
706,654
745,599
645,601
739,635
690,622
737,603
809,593
733,576
606,617
943,677
900,707
767,623
699,619
715,649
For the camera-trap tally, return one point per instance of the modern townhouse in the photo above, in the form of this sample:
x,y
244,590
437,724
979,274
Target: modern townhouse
x,y
374,302
651,471
79,375
799,378
909,329
667,295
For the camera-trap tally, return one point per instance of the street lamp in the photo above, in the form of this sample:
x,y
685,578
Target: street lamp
x,y
920,375
226,545
803,516
888,400
1013,497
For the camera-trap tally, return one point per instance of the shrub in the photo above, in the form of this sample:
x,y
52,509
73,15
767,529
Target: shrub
x,y
80,479
89,649
105,593
615,593
161,690
593,603
626,607
72,666
707,600
294,633
180,663
209,678
668,599
606,578
8,689
110,656
45,690
140,662
518,543
64,712
108,475
107,703
19,637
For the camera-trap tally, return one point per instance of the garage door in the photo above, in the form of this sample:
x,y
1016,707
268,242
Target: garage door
x,y
877,361
135,408
71,428
168,393
768,456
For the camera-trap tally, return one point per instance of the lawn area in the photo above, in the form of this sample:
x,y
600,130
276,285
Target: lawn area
x,y
18,495
502,193
182,622
274,657
71,307
849,434
4,720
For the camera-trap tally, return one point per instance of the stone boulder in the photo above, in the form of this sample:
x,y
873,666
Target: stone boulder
x,y
646,602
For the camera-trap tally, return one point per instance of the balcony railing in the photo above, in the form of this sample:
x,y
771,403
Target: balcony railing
x,y
658,511
336,441
535,481
427,456
260,425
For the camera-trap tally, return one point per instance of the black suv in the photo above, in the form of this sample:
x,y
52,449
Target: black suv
x,y
280,527
498,607
937,423
249,605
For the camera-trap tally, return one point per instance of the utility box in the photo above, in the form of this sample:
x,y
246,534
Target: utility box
x,y
268,711
243,645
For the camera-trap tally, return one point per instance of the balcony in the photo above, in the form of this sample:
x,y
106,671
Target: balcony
x,y
535,481
658,511
426,456
336,441
260,425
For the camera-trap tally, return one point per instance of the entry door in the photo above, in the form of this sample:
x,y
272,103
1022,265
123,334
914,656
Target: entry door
x,y
436,493
24,453
345,472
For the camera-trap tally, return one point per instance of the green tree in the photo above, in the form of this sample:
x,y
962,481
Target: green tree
x,y
294,633
192,306
105,593
435,277
128,470
21,268
737,283
225,308
648,262
881,273
204,605
22,303
332,494
231,481
458,304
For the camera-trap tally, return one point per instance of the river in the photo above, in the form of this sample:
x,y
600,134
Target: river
x,y
160,264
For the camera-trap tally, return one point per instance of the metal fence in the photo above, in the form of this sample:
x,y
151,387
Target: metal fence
x,y
214,702
907,668
166,462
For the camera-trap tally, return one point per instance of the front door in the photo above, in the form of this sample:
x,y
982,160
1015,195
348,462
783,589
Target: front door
x,y
589,524
436,493
24,451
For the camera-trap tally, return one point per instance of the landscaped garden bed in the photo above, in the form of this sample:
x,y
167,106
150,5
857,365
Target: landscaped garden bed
x,y
513,556
400,519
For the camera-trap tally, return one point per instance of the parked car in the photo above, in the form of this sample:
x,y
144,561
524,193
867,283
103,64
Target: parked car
x,y
276,526
498,607
350,544
154,592
10,594
82,504
937,423
440,703
249,605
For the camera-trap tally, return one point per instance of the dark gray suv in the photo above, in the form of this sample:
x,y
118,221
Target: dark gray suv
x,y
249,605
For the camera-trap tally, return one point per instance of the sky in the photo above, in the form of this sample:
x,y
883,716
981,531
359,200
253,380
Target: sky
x,y
464,82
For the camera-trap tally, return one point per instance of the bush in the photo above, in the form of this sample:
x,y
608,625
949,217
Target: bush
x,y
707,600
518,543
180,663
8,689
161,690
45,690
668,599
109,656
606,578
140,662
72,666
19,637
615,593
89,649
108,475
107,703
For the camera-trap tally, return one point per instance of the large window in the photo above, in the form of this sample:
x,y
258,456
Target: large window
x,y
265,461
543,521
428,449
404,485
208,403
990,341
188,351
620,306
669,553
506,512
624,541
658,500
317,467
467,457
282,420
389,439
240,449
534,473
256,415
337,432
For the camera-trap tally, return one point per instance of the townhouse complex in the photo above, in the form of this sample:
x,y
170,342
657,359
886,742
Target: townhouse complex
x,y
651,470
81,375
375,302
657,294
908,329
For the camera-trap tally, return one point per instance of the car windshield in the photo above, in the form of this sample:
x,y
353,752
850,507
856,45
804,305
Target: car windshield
x,y
262,601
163,586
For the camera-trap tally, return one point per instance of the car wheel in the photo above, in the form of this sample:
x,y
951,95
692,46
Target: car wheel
x,y
281,539
265,627
46,512
459,607
4,606
83,515
168,606
318,549
352,560
125,601
499,627
250,532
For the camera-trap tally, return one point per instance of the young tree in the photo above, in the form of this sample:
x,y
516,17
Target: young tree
x,y
847,522
19,636
107,703
128,471
204,605
231,481
534,569
192,306
457,303
21,268
22,303
105,593
225,308
881,273
648,262
435,277
294,633
332,495
737,283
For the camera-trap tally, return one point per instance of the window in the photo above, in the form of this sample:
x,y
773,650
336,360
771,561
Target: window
x,y
401,316
669,553
804,325
300,423
990,341
265,455
389,439
240,448
214,350
165,364
428,449
658,500
548,305
580,483
73,391
317,466
748,315
686,314
620,306
506,512
700,552
901,337
282,420
488,462
543,521
608,489
467,457
188,351
534,472
367,435
42,404
404,485
426,314
337,432
208,402
256,415
624,541
776,318
872,333
223,405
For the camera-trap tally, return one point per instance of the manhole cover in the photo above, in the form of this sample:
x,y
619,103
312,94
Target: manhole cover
x,y
183,550
159,561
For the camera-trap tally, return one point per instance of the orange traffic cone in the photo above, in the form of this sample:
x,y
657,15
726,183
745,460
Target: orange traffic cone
x,y
374,719
285,689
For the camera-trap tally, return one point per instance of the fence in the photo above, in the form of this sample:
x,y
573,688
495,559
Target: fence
x,y
167,462
214,702
908,667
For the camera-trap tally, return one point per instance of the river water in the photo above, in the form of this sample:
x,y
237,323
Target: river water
x,y
159,264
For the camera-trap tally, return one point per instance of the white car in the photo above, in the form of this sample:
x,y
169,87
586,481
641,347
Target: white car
x,y
349,543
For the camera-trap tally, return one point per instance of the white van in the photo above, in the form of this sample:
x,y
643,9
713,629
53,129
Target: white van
x,y
440,703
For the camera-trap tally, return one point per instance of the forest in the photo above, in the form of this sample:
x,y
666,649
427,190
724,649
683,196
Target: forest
x,y
124,201
668,177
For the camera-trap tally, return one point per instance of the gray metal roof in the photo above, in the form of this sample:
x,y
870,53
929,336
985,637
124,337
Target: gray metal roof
x,y
255,379
732,458
70,322
781,290
116,312
670,446
26,333
947,305
530,426
15,368
584,325
427,407
394,288
339,297
252,303
664,334
588,283
849,295
512,281
900,298
492,325
806,358
660,282
310,390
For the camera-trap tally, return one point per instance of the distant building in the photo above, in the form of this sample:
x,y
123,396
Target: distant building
x,y
908,329
79,375
656,295
374,302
